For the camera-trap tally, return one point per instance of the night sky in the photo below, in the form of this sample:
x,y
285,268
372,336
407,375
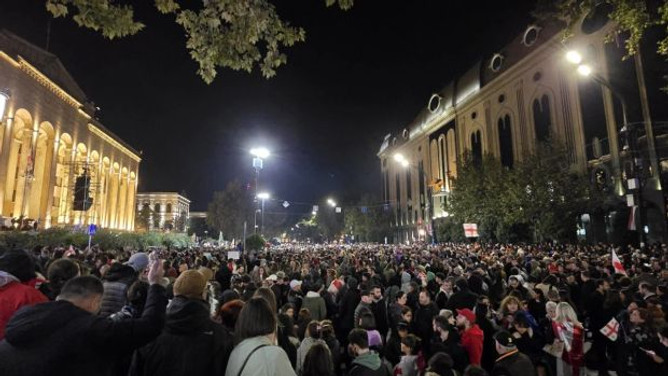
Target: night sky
x,y
360,74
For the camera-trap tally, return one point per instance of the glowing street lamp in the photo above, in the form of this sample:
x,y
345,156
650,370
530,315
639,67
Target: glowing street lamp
x,y
584,70
574,57
331,202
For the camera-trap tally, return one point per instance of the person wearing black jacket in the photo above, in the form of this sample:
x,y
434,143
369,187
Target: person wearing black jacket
x,y
379,309
422,320
191,342
463,298
446,339
67,337
511,362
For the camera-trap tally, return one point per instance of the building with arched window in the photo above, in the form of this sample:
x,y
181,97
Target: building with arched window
x,y
59,165
510,102
162,211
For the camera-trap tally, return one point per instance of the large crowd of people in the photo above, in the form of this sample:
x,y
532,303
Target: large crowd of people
x,y
335,310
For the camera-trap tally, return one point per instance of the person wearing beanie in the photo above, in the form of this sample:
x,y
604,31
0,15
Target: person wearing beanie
x,y
190,343
511,362
471,335
16,270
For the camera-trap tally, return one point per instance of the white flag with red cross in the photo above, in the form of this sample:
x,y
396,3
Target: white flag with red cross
x,y
617,264
611,329
471,230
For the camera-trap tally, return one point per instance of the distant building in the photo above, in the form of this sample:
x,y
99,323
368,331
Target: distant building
x,y
167,209
528,92
58,164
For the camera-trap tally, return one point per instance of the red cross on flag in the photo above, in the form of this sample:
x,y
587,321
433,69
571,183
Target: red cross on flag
x,y
617,264
471,230
611,329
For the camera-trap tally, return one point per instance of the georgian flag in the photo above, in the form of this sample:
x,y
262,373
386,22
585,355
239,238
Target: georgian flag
x,y
617,264
611,329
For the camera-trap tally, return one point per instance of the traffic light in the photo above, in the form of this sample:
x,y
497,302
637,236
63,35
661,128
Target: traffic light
x,y
82,199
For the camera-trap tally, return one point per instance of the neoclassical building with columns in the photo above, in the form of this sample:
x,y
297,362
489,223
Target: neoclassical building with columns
x,y
528,92
52,148
165,208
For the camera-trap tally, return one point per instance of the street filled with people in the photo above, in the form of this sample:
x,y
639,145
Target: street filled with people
x,y
336,309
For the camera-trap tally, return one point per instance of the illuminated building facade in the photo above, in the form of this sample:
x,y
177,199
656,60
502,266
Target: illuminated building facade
x,y
58,164
509,102
168,210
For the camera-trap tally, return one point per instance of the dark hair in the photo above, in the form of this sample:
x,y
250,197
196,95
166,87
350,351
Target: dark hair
x,y
268,295
405,310
472,370
412,341
327,329
359,337
137,294
18,263
520,319
288,325
313,329
82,288
367,321
441,363
318,361
229,312
441,322
400,294
59,272
255,319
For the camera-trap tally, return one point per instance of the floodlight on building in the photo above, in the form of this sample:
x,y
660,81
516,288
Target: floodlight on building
x,y
584,70
574,57
399,157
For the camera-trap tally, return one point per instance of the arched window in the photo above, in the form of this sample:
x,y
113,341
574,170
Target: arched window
x,y
156,208
506,141
442,156
169,208
476,146
542,118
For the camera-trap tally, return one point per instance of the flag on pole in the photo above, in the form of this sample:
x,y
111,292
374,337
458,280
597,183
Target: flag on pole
x,y
611,329
632,219
617,264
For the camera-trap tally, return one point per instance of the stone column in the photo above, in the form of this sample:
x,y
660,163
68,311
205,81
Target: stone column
x,y
52,182
4,159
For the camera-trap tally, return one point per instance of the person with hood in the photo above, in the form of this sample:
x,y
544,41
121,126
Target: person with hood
x,y
67,337
366,362
118,279
16,270
190,342
471,335
315,303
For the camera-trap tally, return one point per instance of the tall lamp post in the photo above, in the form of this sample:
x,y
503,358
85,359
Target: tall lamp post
x,y
259,155
399,158
262,196
628,133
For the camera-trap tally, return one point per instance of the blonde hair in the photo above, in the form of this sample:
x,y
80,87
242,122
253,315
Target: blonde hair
x,y
566,313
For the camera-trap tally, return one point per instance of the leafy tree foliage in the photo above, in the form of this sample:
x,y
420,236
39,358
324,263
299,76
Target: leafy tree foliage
x,y
368,222
255,242
232,34
542,193
632,18
181,222
143,218
229,209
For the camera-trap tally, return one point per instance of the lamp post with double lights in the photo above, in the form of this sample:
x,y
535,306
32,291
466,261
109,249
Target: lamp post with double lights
x,y
628,134
401,160
259,155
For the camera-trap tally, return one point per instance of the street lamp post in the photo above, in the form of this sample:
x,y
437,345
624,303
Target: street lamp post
x,y
399,158
259,155
262,196
628,133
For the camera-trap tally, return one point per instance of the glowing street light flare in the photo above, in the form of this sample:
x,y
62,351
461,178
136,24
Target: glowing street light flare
x,y
263,196
260,152
584,70
399,157
574,57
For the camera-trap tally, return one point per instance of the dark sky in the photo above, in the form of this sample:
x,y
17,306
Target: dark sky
x,y
359,75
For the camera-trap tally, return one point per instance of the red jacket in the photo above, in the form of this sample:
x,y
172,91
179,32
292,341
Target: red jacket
x,y
472,342
13,296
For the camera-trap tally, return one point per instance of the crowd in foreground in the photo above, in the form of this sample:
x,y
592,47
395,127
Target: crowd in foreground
x,y
326,310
